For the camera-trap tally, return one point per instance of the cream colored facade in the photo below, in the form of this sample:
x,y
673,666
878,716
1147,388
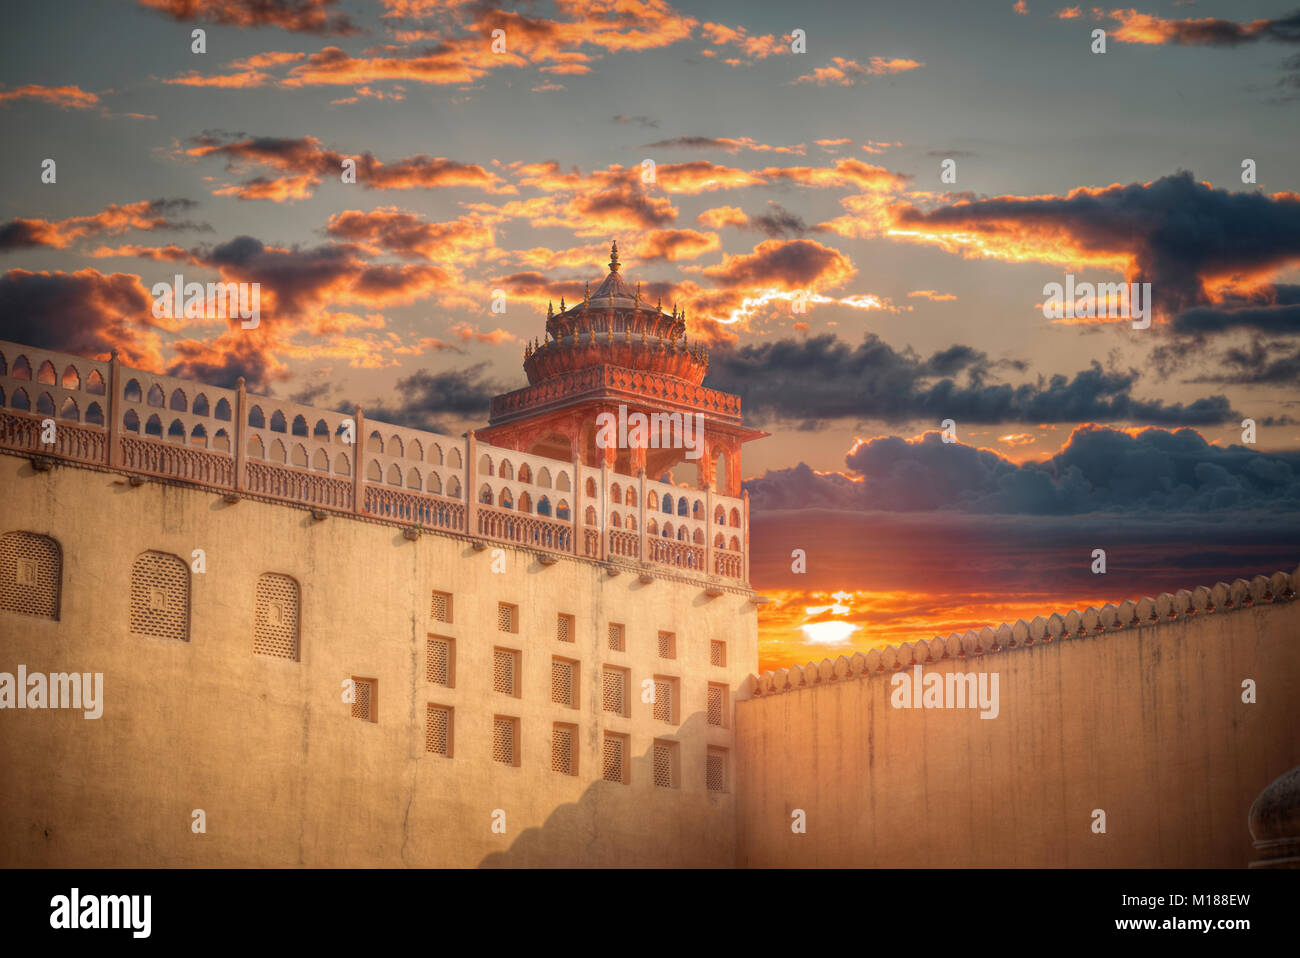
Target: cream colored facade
x,y
267,747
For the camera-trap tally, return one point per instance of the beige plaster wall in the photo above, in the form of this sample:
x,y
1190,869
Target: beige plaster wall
x,y
1147,724
267,748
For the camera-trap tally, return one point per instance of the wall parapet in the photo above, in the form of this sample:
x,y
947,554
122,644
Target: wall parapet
x,y
139,423
1128,615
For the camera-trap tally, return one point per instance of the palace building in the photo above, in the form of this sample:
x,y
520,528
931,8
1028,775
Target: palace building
x,y
282,635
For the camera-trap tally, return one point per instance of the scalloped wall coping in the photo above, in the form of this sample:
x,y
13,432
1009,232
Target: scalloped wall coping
x,y
1184,604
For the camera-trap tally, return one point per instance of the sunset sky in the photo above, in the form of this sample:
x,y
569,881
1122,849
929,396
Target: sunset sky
x,y
775,173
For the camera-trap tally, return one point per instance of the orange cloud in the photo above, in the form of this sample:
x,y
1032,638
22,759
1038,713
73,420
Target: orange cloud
x,y
721,216
674,245
842,72
410,236
67,97
112,220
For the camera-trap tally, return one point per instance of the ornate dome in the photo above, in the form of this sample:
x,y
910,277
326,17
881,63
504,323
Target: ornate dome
x,y
613,327
1275,822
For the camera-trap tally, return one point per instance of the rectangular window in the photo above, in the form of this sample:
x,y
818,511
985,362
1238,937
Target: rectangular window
x,y
717,704
564,749
439,661
437,730
505,671
441,607
507,617
564,627
613,765
718,653
505,740
715,769
614,690
665,703
616,643
365,699
665,759
564,682
667,645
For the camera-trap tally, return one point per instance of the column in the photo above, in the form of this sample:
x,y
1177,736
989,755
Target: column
x,y
239,435
113,456
358,466
471,485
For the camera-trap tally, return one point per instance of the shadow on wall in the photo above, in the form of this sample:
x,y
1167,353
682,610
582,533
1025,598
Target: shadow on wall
x,y
639,824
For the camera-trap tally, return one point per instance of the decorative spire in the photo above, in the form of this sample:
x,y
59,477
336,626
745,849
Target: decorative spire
x,y
586,293
561,304
613,257
637,303
549,311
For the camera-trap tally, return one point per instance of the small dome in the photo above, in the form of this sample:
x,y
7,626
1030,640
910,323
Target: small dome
x,y
1275,821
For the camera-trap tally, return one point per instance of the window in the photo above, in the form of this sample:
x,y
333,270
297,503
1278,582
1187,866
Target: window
x,y
31,574
616,643
160,596
718,653
564,749
613,759
441,607
507,617
564,682
715,769
564,628
437,730
505,671
440,661
365,699
717,705
614,688
275,617
505,740
667,645
665,703
665,762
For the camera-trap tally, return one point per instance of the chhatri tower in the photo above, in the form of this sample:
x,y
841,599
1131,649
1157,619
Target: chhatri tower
x,y
612,349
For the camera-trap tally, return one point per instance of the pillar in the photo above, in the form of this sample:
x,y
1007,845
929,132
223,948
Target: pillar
x,y
358,464
113,455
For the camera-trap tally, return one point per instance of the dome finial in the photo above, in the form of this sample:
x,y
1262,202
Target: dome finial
x,y
613,256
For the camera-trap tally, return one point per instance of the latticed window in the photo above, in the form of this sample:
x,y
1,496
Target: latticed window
x,y
564,628
564,682
275,620
505,671
717,704
563,756
437,730
438,660
665,762
31,573
160,596
613,760
717,653
441,607
667,645
663,707
506,616
615,691
715,769
505,740
365,704
616,643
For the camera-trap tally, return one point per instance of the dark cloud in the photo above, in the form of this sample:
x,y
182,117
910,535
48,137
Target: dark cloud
x,y
822,378
1254,364
779,222
424,397
223,363
1179,232
1203,31
86,313
1099,470
299,16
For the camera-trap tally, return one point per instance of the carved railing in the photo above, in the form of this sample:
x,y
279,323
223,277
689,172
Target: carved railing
x,y
298,485
624,544
104,414
422,509
638,384
524,529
